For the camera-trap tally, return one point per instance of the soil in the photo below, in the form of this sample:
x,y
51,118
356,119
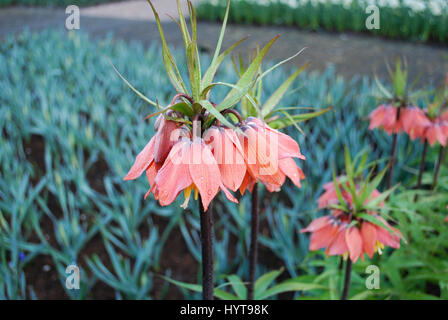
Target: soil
x,y
351,54
41,273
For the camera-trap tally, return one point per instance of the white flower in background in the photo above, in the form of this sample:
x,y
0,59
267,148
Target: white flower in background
x,y
437,7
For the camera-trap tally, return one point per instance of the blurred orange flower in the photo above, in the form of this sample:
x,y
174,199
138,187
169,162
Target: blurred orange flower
x,y
385,116
350,236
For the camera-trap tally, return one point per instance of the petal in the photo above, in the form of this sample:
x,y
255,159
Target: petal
x,y
431,135
287,146
228,194
260,156
368,232
376,117
174,175
317,224
328,197
386,238
390,119
288,166
151,172
247,183
166,137
204,171
233,168
143,160
338,246
354,242
323,237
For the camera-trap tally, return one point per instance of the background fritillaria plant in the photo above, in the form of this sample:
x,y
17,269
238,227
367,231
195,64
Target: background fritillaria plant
x,y
389,116
402,114
354,226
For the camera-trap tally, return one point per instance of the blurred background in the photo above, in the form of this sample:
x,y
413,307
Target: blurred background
x,y
70,130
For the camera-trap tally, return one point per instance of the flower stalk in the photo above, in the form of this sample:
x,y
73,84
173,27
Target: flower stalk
x,y
422,168
393,153
347,277
440,159
207,252
253,253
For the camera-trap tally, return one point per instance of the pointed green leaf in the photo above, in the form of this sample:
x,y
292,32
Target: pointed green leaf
x,y
281,109
280,63
284,122
221,35
374,203
371,218
338,190
265,281
386,92
182,107
279,93
195,77
241,92
238,286
246,80
183,26
213,68
141,95
215,113
371,186
170,64
198,288
289,286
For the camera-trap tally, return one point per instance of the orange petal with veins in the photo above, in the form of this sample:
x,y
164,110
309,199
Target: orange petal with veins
x,y
204,171
143,160
368,232
174,175
354,243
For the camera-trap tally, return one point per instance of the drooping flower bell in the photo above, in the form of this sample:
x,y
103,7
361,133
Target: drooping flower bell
x,y
417,124
228,153
436,131
185,163
335,233
354,227
158,147
269,155
190,167
385,116
346,234
414,122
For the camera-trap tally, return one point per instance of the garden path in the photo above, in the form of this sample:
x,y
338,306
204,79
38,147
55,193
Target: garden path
x,y
352,54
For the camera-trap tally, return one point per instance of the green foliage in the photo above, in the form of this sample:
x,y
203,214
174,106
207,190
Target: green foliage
x,y
70,128
264,287
400,22
418,270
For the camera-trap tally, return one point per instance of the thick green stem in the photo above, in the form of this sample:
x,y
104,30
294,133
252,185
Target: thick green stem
x,y
255,224
207,252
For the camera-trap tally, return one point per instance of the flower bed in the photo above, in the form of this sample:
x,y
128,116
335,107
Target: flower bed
x,y
71,129
425,21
